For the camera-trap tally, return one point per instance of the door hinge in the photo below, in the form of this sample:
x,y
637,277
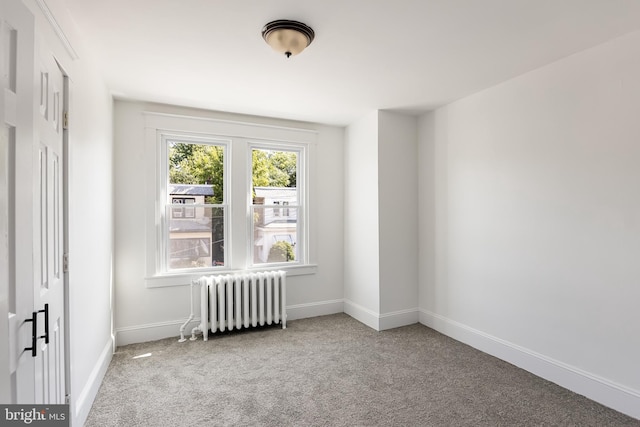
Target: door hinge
x,y
65,120
67,399
65,263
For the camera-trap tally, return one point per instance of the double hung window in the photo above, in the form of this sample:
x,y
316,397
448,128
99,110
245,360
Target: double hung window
x,y
230,203
226,196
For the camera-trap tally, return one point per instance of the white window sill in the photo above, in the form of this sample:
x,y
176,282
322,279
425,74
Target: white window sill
x,y
184,279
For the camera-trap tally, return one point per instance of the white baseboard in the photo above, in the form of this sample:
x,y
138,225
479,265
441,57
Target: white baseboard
x,y
152,331
381,322
608,393
157,331
362,314
396,319
81,405
314,309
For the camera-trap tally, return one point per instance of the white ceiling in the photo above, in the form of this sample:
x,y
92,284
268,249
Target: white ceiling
x,y
408,55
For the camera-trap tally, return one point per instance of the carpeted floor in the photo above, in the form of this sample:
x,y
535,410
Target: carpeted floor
x,y
331,371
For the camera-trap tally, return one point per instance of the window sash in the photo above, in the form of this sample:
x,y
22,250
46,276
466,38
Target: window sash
x,y
302,231
163,251
202,233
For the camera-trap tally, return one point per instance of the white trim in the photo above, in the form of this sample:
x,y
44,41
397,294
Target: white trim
x,y
228,128
185,279
362,314
601,390
314,309
82,405
151,331
57,29
396,319
161,330
381,322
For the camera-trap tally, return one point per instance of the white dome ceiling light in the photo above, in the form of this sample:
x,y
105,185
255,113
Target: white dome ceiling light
x,y
288,37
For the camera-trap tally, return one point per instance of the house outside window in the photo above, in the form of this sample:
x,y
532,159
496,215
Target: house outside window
x,y
182,212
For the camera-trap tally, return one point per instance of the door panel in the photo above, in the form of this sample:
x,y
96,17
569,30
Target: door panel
x,y
16,210
48,239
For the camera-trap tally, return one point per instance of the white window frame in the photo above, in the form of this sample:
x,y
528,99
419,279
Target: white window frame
x,y
163,195
302,174
238,238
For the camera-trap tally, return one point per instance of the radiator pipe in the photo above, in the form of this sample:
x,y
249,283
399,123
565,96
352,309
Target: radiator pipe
x,y
184,325
193,333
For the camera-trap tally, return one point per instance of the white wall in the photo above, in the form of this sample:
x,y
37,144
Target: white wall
x,y
144,313
398,213
361,237
530,221
381,220
90,238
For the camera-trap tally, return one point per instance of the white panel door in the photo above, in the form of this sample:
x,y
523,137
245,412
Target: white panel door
x,y
31,214
48,229
16,202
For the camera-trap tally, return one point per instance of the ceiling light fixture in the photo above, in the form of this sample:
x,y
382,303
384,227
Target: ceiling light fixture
x,y
288,37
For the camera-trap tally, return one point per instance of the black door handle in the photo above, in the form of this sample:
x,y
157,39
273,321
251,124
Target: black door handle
x,y
34,333
46,323
34,329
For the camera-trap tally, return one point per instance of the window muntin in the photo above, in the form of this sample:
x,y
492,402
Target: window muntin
x,y
276,195
195,231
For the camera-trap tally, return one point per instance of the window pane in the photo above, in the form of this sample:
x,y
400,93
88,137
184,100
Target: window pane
x,y
198,241
274,235
196,171
275,214
272,173
195,228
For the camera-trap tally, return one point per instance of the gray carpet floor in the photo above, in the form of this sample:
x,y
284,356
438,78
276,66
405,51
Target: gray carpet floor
x,y
331,371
